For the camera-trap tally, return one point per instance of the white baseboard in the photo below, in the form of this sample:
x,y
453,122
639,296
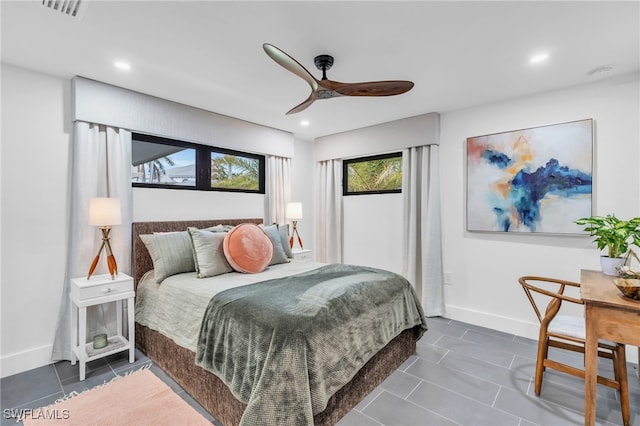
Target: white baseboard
x,y
26,360
508,325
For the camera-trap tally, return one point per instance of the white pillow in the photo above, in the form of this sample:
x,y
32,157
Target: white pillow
x,y
171,253
208,254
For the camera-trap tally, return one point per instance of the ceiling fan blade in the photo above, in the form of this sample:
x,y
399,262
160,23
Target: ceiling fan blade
x,y
290,64
304,105
374,88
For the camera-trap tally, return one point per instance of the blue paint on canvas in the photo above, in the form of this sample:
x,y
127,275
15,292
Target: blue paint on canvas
x,y
528,189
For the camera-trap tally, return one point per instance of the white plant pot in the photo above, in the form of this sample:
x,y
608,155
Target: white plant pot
x,y
609,264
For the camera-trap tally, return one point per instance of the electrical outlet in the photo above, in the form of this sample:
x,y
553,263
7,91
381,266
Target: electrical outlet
x,y
448,278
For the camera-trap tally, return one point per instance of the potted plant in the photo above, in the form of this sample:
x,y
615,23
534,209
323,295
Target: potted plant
x,y
613,234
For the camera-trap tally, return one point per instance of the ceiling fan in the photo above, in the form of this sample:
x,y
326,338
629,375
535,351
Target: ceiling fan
x,y
325,88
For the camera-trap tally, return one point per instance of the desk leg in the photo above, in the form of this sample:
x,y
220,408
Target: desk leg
x,y
132,330
591,366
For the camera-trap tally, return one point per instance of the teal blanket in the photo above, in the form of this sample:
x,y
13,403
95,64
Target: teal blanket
x,y
285,346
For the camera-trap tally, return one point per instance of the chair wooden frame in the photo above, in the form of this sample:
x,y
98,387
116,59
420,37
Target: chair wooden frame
x,y
612,351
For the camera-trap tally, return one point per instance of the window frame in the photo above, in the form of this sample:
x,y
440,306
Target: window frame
x,y
345,174
202,166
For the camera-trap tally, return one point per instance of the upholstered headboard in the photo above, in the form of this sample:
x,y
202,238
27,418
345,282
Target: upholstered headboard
x,y
140,259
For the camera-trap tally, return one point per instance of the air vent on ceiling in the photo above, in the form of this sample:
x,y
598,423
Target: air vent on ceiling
x,y
73,8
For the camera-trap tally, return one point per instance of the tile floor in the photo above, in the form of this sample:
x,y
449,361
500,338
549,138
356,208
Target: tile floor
x,y
461,375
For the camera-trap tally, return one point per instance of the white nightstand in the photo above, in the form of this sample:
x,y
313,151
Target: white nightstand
x,y
95,291
301,254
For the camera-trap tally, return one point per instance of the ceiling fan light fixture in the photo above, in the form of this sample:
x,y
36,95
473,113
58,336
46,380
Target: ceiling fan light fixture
x,y
325,88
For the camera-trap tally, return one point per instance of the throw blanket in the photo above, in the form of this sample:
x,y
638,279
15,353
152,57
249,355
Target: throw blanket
x,y
285,346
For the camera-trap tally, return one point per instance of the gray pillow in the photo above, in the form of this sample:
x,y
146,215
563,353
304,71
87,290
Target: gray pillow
x,y
284,237
208,254
171,253
279,255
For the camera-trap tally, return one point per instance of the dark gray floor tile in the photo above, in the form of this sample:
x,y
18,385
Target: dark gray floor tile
x,y
93,379
11,416
408,362
460,409
455,380
356,418
525,340
388,409
446,329
367,399
474,350
433,353
28,386
499,343
536,410
496,333
400,384
486,371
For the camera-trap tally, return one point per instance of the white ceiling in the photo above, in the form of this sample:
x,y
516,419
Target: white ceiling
x,y
208,54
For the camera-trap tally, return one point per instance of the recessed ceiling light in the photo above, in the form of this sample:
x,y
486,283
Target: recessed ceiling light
x,y
304,123
121,65
539,57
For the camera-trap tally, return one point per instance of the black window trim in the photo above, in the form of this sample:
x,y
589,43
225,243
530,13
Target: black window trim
x,y
345,174
203,165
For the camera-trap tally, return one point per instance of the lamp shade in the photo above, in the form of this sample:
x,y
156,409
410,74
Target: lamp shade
x,y
294,211
105,211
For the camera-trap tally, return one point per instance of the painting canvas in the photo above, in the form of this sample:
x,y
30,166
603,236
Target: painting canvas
x,y
536,180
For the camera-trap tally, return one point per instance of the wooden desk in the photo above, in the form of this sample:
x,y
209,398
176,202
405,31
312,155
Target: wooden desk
x,y
609,316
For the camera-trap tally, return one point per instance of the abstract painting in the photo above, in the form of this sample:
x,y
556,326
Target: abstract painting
x,y
536,180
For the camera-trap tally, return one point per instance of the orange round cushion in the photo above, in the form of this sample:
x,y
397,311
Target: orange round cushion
x,y
248,248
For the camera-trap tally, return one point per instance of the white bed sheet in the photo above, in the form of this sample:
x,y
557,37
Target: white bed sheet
x,y
176,306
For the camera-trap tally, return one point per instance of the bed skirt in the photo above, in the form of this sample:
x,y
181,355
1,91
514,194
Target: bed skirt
x,y
217,399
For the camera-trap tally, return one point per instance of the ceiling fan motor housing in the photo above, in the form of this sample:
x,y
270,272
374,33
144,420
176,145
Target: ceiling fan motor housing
x,y
323,63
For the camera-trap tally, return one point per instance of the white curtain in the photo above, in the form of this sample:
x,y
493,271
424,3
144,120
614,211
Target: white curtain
x,y
101,167
278,189
422,246
329,213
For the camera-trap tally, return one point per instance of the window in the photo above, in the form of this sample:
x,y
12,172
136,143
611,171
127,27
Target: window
x,y
378,174
166,163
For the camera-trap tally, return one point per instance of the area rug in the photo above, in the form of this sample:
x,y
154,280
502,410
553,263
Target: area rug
x,y
140,398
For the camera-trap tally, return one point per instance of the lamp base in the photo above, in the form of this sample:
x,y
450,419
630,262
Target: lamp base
x,y
294,232
111,260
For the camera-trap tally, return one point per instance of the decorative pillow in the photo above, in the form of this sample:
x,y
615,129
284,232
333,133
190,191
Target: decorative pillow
x,y
219,228
208,254
171,253
247,248
279,255
284,237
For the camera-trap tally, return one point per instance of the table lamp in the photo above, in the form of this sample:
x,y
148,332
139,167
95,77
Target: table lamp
x,y
294,213
105,212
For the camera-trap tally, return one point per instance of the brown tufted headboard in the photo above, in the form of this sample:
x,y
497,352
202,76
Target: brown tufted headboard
x,y
140,259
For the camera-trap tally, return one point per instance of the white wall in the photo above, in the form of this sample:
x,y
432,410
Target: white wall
x,y
485,266
35,178
36,140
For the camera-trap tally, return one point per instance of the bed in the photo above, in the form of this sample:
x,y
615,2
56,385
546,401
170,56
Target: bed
x,y
178,360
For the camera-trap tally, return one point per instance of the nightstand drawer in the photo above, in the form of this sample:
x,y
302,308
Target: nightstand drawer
x,y
100,285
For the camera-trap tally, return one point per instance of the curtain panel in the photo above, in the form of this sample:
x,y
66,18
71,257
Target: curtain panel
x,y
101,167
422,245
278,189
329,212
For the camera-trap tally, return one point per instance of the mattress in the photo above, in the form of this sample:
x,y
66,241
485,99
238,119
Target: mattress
x,y
189,296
